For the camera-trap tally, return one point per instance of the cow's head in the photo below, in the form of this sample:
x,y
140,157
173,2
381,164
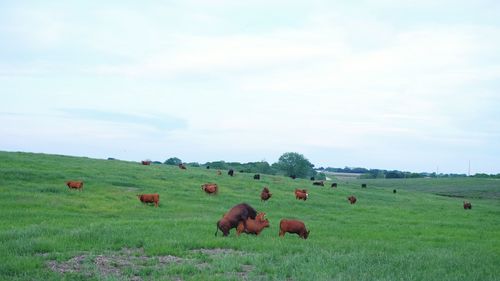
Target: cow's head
x,y
306,234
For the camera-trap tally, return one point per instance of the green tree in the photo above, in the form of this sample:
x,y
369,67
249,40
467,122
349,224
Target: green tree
x,y
293,163
173,161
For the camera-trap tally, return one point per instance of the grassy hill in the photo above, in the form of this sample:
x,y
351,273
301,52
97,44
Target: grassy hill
x,y
48,232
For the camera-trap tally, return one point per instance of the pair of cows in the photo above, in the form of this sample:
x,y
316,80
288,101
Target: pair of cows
x,y
245,219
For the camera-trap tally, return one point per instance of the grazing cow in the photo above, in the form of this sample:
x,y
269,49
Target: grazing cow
x,y
254,226
230,172
293,177
237,214
352,199
75,185
182,166
219,172
301,194
334,185
363,185
265,194
210,188
293,226
319,183
312,178
208,167
146,162
394,191
256,177
149,198
467,205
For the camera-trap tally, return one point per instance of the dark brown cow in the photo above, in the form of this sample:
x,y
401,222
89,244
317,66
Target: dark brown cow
x,y
334,185
149,198
312,178
230,172
254,226
352,199
319,183
393,191
210,188
237,214
265,194
182,166
256,177
363,185
467,205
301,194
146,162
293,226
219,172
75,185
293,177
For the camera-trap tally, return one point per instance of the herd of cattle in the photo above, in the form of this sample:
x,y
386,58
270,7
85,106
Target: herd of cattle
x,y
244,217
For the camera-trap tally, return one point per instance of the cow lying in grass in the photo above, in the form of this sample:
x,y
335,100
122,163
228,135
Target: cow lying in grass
x,y
210,188
237,214
254,226
149,198
293,226
75,184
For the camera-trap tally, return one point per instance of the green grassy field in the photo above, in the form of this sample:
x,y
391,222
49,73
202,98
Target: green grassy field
x,y
48,232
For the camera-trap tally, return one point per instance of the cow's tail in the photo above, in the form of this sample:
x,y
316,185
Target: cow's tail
x,y
217,230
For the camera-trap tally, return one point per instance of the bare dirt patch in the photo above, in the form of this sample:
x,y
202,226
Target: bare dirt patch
x,y
113,263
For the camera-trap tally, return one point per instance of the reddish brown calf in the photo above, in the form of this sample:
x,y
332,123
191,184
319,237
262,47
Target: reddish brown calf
x,y
210,188
293,226
254,226
301,194
149,198
352,199
75,185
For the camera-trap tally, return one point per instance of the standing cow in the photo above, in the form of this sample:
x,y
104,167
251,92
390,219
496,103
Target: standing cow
x,y
352,199
237,214
467,205
321,183
75,185
265,194
230,172
301,194
253,226
256,177
293,226
150,198
334,185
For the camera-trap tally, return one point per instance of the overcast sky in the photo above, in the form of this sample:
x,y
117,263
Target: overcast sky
x,y
390,84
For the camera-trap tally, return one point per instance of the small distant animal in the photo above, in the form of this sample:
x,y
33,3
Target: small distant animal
x,y
334,185
265,194
363,185
321,183
256,177
230,172
219,172
253,226
301,194
467,205
312,178
210,188
352,199
149,198
75,185
293,226
394,191
237,214
146,162
182,166
293,177
208,167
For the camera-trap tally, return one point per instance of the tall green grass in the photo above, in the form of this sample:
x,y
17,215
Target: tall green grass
x,y
411,235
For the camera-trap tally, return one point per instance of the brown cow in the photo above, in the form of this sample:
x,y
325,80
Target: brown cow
x,y
75,184
237,214
230,172
254,226
352,199
319,183
149,198
334,185
210,188
146,162
467,205
182,166
301,194
293,226
219,172
265,194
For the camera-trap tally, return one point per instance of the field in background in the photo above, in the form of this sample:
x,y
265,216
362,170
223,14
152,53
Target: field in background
x,y
48,232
